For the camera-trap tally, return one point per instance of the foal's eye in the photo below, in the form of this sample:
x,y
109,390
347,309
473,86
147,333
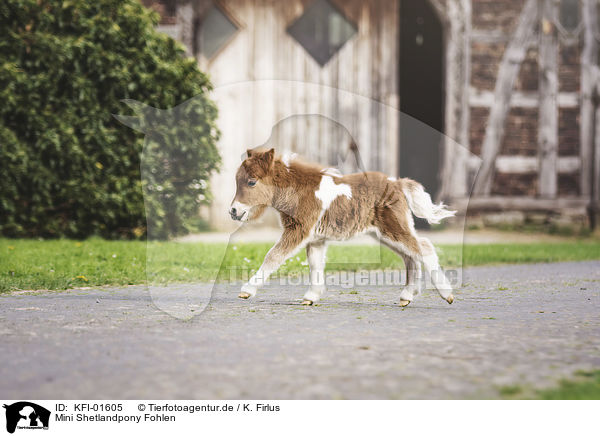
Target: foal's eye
x,y
251,183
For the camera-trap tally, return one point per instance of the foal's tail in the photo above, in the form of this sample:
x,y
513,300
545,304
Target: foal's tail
x,y
421,205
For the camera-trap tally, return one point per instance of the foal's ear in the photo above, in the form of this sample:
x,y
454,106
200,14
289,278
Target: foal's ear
x,y
269,157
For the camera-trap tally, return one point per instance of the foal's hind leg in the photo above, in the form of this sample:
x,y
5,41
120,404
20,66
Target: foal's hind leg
x,y
413,270
432,265
413,280
396,231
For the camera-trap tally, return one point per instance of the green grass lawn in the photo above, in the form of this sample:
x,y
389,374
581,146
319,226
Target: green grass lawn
x,y
63,264
584,386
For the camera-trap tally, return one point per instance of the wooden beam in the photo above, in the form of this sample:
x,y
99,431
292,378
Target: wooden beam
x,y
509,68
465,180
548,111
529,164
589,60
494,37
171,30
440,9
185,21
454,177
522,99
489,36
501,203
200,9
596,135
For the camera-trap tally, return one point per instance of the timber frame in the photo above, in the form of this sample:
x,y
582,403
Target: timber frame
x,y
538,26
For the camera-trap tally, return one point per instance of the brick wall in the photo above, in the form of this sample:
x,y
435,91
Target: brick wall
x,y
515,184
569,71
568,131
520,133
485,60
497,15
568,185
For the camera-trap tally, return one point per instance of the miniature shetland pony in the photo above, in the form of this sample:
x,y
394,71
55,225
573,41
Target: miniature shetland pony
x,y
319,204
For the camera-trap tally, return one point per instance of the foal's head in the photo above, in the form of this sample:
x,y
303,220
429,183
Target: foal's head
x,y
254,185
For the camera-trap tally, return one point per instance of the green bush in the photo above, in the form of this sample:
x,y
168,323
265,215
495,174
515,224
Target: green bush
x,y
68,167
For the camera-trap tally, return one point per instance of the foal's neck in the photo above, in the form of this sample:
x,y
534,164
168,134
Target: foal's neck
x,y
291,183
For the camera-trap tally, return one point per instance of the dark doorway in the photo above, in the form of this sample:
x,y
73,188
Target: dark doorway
x,y
421,91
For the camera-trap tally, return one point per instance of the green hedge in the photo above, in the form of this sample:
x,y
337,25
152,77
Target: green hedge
x,y
69,168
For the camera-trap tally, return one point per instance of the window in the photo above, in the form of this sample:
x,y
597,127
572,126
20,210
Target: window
x,y
569,15
216,30
322,30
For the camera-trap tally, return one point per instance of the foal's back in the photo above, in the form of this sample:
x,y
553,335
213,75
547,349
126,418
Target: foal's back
x,y
371,195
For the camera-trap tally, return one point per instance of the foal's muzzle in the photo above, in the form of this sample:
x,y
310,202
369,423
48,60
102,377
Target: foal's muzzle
x,y
234,214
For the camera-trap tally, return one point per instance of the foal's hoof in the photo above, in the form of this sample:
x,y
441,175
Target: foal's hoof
x,y
450,299
307,302
244,295
404,303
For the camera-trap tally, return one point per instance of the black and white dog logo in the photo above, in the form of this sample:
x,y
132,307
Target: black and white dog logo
x,y
26,415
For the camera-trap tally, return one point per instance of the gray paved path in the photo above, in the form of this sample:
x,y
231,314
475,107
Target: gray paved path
x,y
525,324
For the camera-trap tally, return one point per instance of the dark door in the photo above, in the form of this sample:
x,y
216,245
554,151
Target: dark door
x,y
421,93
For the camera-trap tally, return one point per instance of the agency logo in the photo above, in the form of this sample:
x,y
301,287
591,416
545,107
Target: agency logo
x,y
26,415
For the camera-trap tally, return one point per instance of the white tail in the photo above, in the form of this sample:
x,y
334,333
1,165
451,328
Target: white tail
x,y
421,205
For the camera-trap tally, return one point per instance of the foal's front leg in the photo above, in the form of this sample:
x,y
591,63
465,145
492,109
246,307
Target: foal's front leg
x,y
289,242
315,254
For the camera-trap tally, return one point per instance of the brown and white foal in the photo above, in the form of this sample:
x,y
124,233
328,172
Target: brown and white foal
x,y
318,204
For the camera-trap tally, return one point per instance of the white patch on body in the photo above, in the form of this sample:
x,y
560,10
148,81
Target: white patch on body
x,y
329,191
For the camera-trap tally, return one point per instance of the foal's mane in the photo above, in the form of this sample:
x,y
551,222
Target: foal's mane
x,y
299,164
296,170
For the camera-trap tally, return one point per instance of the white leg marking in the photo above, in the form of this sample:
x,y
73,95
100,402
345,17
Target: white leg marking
x,y
315,254
413,269
258,279
413,278
432,265
273,260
